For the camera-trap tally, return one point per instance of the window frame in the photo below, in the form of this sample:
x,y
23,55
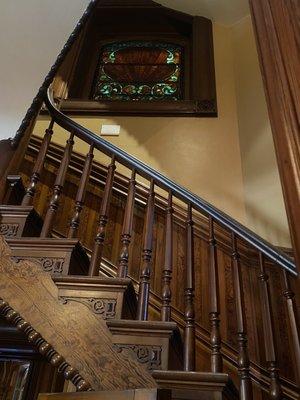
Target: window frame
x,y
199,88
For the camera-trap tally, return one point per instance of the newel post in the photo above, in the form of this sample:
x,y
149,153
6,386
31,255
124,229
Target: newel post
x,y
277,31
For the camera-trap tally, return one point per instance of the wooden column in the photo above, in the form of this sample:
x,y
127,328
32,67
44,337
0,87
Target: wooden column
x,y
243,354
189,361
291,308
100,236
127,229
277,29
80,196
168,265
214,312
268,327
143,300
58,188
38,167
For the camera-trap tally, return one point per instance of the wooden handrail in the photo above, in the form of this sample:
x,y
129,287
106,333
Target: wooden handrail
x,y
185,195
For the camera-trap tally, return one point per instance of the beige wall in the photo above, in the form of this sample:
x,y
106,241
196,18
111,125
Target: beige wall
x,y
202,154
229,160
265,210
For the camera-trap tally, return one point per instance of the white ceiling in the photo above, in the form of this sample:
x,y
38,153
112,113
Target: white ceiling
x,y
225,12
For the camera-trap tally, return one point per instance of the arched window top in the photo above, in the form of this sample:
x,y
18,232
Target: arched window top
x,y
139,70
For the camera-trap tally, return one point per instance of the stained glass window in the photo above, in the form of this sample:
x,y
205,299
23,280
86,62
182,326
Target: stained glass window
x,y
139,70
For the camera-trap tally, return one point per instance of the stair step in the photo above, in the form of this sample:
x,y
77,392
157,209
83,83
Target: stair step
x,y
18,221
56,256
137,394
154,344
108,298
196,385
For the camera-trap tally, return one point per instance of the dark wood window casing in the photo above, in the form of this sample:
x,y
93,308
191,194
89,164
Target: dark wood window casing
x,y
124,21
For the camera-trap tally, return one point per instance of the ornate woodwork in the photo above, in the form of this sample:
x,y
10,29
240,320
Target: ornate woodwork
x,y
43,346
16,221
193,35
58,257
153,344
249,263
70,328
108,298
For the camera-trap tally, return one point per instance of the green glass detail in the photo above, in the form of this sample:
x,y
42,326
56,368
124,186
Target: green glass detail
x,y
139,71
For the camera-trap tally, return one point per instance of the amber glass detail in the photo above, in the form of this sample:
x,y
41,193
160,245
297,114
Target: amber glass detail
x,y
146,71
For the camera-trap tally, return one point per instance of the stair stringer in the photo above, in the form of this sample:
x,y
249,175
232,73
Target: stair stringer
x,y
76,334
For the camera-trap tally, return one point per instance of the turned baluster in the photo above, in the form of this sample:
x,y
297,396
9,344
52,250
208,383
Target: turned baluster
x,y
291,308
243,356
38,167
127,229
74,224
103,219
214,315
268,328
58,187
143,300
189,330
168,264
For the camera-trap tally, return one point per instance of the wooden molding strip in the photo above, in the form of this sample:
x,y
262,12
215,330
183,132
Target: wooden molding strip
x,y
44,348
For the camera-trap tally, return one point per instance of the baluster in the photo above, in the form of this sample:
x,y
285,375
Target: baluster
x,y
243,356
268,327
143,301
290,302
127,229
214,315
74,224
58,187
38,167
101,232
189,330
168,264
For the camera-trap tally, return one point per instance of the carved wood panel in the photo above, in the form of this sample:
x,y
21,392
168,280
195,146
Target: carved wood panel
x,y
228,313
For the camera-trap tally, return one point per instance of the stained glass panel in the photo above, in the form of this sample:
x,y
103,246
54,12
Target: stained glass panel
x,y
147,71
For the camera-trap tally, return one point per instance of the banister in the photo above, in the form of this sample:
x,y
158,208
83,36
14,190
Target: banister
x,y
167,184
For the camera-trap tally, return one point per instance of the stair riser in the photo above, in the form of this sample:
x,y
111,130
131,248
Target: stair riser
x,y
107,300
67,258
18,221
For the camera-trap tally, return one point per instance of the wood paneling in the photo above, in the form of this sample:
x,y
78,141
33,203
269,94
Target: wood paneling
x,y
70,328
249,266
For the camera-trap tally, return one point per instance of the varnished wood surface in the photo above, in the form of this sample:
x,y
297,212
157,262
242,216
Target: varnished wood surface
x,y
250,269
141,394
277,29
69,328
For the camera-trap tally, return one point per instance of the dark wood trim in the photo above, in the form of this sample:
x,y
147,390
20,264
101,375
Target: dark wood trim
x,y
44,348
258,373
277,29
194,34
120,186
186,108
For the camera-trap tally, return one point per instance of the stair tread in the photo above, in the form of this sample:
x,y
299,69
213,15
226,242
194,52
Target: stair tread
x,y
196,382
191,376
37,241
159,326
92,280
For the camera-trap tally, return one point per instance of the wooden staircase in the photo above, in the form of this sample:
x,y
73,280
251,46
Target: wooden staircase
x,y
147,335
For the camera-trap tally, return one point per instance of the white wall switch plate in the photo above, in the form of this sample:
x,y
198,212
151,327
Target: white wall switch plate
x,y
110,130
